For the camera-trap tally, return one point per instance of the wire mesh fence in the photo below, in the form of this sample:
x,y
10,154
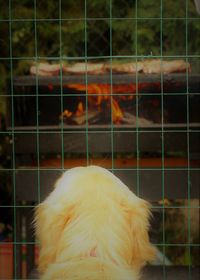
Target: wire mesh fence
x,y
143,126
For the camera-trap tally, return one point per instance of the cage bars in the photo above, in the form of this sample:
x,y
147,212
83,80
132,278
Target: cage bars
x,y
13,143
112,129
188,139
162,138
37,101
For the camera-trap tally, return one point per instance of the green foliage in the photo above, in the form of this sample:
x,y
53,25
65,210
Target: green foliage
x,y
66,37
55,38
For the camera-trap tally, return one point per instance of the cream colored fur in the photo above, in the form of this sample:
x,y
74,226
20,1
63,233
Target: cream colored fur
x,y
92,227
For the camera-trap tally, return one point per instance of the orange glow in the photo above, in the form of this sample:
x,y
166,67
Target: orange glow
x,y
97,93
67,114
116,112
79,110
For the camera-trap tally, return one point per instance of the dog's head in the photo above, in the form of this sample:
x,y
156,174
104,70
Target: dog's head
x,y
92,213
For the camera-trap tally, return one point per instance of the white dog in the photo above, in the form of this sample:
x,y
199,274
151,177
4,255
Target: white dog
x,y
92,227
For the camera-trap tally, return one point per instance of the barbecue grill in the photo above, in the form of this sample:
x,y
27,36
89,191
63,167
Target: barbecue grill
x,y
56,137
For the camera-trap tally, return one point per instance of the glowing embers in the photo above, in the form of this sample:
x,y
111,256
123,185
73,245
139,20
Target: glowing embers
x,y
104,104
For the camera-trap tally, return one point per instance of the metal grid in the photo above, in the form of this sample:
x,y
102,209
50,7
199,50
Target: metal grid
x,y
109,55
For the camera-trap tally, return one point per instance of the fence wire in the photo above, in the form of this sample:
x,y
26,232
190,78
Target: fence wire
x,y
35,150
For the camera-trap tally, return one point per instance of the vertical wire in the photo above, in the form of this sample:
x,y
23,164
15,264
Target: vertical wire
x,y
86,85
61,86
37,102
13,142
162,135
137,104
188,140
111,91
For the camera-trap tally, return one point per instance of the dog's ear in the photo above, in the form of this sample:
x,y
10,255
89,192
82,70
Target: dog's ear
x,y
139,215
49,224
45,225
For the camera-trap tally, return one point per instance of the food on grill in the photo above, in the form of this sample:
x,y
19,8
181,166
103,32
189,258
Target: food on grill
x,y
157,66
129,67
82,67
46,69
151,66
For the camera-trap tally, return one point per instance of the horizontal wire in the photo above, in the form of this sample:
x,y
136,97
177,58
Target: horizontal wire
x,y
155,244
102,94
173,245
93,19
80,130
21,169
152,207
97,57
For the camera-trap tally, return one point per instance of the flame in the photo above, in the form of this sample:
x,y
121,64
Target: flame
x,y
117,113
97,93
80,109
67,114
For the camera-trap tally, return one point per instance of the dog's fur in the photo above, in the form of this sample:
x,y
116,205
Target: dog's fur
x,y
92,227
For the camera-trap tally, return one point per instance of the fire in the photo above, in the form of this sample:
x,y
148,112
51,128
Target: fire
x,y
80,109
117,113
67,114
97,94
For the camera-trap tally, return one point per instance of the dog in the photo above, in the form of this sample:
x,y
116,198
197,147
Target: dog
x,y
92,227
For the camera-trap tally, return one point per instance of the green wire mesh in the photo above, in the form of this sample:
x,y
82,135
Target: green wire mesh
x,y
98,31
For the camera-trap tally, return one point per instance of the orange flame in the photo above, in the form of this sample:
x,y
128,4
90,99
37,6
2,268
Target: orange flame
x,y
97,93
117,114
67,114
79,110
